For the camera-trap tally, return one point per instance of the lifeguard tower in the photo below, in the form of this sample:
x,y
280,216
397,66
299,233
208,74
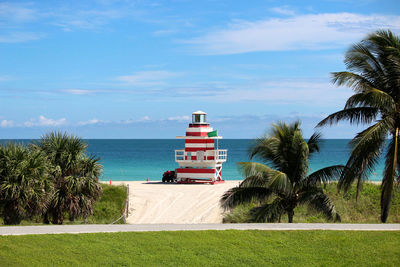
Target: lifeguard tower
x,y
201,160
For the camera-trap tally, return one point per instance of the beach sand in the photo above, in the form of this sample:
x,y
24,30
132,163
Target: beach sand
x,y
155,202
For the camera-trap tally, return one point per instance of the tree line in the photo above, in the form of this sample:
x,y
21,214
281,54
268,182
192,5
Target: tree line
x,y
52,178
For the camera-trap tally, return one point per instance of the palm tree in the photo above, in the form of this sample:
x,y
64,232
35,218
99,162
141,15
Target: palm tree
x,y
24,183
374,75
84,187
75,176
284,183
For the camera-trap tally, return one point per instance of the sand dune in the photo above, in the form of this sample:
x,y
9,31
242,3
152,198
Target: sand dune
x,y
175,203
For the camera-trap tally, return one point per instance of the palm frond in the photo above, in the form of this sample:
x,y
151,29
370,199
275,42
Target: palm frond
x,y
315,198
372,98
269,212
362,59
255,181
313,142
241,195
359,83
327,174
279,182
258,174
367,147
297,154
357,115
254,169
266,149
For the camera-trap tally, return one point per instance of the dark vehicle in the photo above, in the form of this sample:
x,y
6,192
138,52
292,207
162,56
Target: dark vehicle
x,y
168,177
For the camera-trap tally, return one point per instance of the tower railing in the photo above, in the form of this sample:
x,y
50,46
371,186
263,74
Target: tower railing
x,y
209,155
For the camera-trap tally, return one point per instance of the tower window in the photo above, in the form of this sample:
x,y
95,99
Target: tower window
x,y
199,118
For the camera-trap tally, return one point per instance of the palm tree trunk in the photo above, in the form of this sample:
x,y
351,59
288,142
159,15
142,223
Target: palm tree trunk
x,y
11,216
57,216
290,216
387,184
46,218
358,188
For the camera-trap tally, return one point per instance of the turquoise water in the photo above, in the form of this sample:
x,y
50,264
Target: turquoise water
x,y
137,159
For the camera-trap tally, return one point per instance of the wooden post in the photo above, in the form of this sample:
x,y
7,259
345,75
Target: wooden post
x,y
127,202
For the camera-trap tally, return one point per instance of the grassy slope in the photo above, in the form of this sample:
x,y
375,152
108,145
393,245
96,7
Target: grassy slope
x,y
366,210
106,210
110,206
204,248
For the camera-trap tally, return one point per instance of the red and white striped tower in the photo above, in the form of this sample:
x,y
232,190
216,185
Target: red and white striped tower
x,y
200,161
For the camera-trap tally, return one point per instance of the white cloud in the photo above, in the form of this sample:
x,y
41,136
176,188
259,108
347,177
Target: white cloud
x,y
254,125
301,32
78,91
43,121
16,12
19,37
283,10
89,122
147,78
179,118
279,91
12,16
145,118
69,19
6,123
131,121
291,92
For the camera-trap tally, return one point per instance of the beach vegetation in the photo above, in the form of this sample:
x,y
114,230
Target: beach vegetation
x,y
110,206
373,71
52,178
75,177
282,182
25,185
364,210
106,210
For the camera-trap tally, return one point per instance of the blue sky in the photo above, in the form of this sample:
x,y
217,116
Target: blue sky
x,y
137,69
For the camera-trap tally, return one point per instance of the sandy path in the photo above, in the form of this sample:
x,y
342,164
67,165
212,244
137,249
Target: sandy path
x,y
175,203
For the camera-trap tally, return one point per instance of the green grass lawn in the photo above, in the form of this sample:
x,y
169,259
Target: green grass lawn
x,y
204,248
106,210
366,210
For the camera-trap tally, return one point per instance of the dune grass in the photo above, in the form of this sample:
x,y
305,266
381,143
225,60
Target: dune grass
x,y
366,210
110,206
204,248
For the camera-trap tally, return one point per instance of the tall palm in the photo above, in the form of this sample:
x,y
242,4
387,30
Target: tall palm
x,y
75,176
283,183
24,183
374,75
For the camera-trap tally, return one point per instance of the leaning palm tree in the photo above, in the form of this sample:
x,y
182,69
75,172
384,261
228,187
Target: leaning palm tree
x,y
283,182
75,177
374,75
25,185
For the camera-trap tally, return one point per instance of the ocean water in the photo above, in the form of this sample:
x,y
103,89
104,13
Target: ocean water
x,y
137,159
